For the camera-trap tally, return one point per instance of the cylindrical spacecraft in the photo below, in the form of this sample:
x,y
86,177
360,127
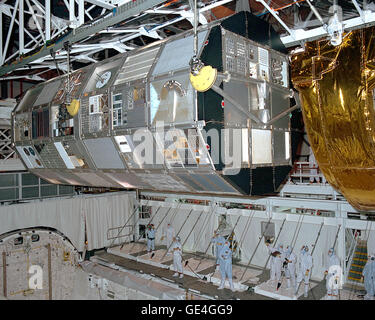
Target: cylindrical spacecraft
x,y
136,121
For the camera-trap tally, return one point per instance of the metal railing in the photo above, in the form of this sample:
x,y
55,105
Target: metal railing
x,y
302,172
350,245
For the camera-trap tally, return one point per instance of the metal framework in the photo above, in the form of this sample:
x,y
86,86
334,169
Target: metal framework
x,y
96,25
6,150
119,23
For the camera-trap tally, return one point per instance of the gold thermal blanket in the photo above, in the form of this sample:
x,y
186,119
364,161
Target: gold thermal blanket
x,y
336,85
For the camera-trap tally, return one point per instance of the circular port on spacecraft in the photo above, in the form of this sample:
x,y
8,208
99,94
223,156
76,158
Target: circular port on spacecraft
x,y
26,151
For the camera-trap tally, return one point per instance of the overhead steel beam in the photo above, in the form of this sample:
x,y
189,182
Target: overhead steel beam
x,y
121,13
316,33
275,15
48,19
21,42
9,32
358,8
1,36
102,4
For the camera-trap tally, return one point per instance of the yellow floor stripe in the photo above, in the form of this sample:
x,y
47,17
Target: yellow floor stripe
x,y
358,266
355,272
359,259
354,279
361,253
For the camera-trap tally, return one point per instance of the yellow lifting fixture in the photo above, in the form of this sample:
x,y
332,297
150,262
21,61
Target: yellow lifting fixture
x,y
73,107
205,78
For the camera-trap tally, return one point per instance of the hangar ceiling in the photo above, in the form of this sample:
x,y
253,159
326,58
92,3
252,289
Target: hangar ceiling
x,y
97,29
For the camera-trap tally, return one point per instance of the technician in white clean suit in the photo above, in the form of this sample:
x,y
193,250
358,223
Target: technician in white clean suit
x,y
177,257
169,235
150,234
225,261
333,272
290,267
368,274
272,251
304,269
279,257
218,240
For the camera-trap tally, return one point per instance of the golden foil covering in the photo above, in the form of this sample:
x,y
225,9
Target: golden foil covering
x,y
336,90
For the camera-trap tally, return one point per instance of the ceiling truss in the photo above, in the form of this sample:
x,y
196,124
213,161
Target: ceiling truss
x,y
33,43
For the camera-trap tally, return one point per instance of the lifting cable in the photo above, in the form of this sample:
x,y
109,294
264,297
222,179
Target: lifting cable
x,y
173,216
188,216
192,228
277,238
122,228
238,219
139,236
260,239
204,224
296,233
205,252
211,243
246,229
312,252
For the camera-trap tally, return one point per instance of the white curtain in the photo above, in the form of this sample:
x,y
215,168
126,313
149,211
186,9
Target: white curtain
x,y
105,216
65,215
69,215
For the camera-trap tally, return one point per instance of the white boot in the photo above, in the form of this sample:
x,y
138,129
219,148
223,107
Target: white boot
x,y
181,275
231,285
221,285
306,290
296,288
175,274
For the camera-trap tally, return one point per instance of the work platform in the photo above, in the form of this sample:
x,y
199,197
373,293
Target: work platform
x,y
203,278
199,267
269,289
200,273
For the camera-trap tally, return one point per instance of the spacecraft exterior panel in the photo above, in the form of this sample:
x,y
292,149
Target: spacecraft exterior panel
x,y
104,153
48,92
49,154
29,156
140,123
29,98
137,66
177,53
